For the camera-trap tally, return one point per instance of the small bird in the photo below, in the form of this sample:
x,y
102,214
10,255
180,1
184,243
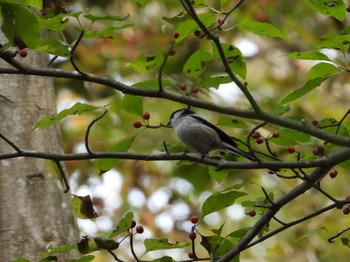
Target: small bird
x,y
201,135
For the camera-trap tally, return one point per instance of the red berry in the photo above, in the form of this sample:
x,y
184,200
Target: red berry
x,y
176,34
139,229
251,213
220,20
182,86
23,52
291,149
194,219
256,134
275,134
333,173
172,52
137,124
194,90
191,255
346,210
318,150
259,140
192,235
197,33
146,116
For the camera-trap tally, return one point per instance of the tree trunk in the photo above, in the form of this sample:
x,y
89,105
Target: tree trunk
x,y
34,211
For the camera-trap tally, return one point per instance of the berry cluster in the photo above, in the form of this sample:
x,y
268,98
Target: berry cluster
x,y
146,116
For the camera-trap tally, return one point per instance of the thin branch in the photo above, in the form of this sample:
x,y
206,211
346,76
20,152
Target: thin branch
x,y
161,68
132,247
114,256
331,239
88,129
73,52
64,177
13,145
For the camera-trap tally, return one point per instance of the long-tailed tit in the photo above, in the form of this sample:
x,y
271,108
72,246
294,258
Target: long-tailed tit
x,y
201,135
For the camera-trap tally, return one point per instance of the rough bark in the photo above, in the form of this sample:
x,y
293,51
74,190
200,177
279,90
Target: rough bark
x,y
34,211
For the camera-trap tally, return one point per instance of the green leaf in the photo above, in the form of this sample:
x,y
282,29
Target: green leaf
x,y
263,29
152,84
133,104
188,26
76,109
95,18
218,175
123,225
214,81
195,64
84,259
220,200
164,259
234,58
152,244
57,23
311,233
82,207
106,164
316,76
335,8
52,46
16,19
229,122
142,3
309,56
143,64
60,249
289,137
281,109
107,32
339,42
324,70
21,259
52,169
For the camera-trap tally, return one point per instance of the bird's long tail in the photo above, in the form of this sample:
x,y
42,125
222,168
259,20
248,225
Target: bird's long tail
x,y
239,152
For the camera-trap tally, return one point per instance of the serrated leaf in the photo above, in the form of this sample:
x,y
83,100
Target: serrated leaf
x,y
60,249
195,64
123,225
316,76
76,109
333,41
234,58
152,244
21,259
57,23
309,56
335,8
106,164
133,104
82,207
220,200
263,29
152,84
52,169
217,175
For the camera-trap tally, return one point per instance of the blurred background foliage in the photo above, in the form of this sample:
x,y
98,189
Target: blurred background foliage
x,y
164,195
